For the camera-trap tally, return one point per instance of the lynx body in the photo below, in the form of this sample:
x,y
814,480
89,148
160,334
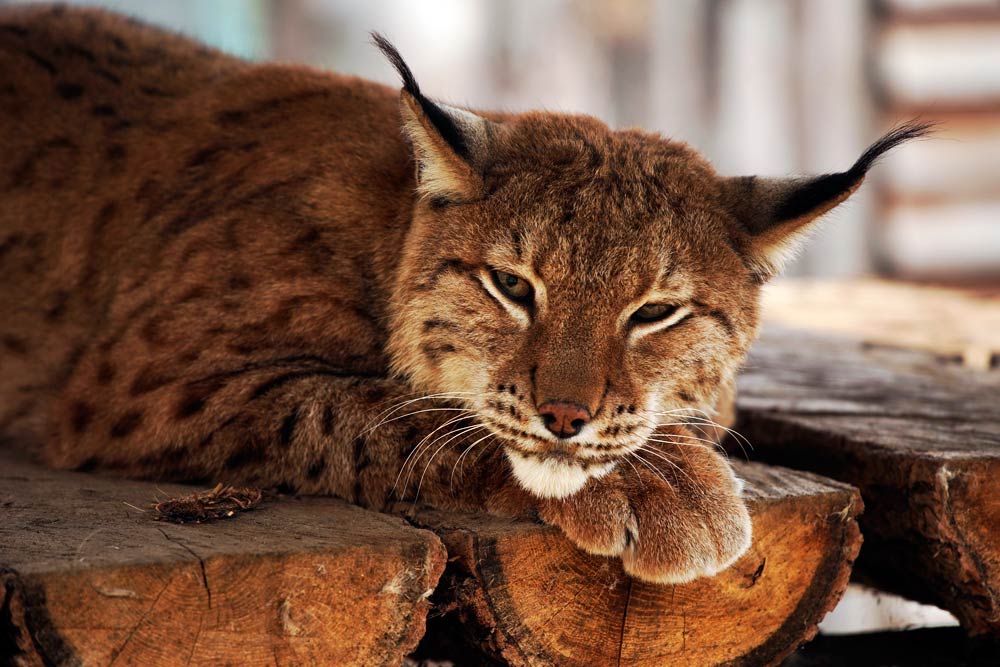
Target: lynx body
x,y
215,270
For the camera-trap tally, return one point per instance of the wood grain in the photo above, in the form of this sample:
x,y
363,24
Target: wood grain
x,y
91,580
920,439
521,593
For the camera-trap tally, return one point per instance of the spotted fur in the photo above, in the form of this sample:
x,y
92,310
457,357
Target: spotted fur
x,y
215,270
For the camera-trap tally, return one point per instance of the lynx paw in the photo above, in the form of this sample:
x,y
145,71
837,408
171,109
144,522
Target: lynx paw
x,y
664,530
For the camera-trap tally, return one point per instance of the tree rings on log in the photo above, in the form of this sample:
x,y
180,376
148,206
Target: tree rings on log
x,y
521,592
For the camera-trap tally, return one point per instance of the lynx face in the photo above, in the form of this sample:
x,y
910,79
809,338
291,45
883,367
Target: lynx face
x,y
580,302
579,288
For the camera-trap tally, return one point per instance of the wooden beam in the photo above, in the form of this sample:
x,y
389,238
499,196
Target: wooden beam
x,y
919,438
89,579
521,593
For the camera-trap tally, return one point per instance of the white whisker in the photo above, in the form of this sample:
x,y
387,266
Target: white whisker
x,y
656,472
417,412
705,419
388,412
675,436
635,470
420,483
458,461
420,447
680,443
659,455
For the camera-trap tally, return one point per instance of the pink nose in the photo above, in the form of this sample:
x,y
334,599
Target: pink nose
x,y
562,418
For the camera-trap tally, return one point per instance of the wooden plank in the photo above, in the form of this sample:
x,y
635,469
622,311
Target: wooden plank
x,y
936,11
521,593
90,580
920,439
960,325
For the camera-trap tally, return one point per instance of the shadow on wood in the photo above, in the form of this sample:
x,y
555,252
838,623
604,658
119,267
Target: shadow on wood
x,y
930,647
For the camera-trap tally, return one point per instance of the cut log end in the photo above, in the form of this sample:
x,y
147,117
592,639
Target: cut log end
x,y
522,593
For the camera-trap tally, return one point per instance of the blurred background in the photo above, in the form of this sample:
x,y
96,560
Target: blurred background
x,y
760,86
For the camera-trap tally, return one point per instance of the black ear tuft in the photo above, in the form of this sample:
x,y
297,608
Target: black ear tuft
x,y
773,215
814,193
392,55
913,129
443,123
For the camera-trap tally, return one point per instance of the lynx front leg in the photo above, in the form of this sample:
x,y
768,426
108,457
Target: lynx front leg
x,y
297,423
371,441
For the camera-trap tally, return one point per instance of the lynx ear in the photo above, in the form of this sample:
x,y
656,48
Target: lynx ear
x,y
774,215
450,144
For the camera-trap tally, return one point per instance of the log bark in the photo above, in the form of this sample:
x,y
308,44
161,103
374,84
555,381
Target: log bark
x,y
89,579
919,438
521,593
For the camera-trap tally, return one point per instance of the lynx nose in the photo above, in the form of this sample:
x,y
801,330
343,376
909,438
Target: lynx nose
x,y
562,418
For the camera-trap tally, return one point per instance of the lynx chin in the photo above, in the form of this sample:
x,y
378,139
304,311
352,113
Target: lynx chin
x,y
223,271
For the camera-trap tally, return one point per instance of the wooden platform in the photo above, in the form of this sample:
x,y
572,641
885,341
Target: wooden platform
x,y
919,437
90,579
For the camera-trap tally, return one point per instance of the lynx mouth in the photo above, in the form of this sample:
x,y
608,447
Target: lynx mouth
x,y
554,476
556,468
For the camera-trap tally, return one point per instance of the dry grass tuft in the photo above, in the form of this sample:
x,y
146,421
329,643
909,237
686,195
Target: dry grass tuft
x,y
222,502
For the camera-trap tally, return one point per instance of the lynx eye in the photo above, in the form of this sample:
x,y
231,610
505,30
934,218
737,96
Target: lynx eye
x,y
653,312
513,287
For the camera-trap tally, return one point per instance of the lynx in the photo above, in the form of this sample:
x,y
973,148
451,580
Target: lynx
x,y
217,270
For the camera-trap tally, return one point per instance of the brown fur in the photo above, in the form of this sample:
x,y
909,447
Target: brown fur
x,y
222,271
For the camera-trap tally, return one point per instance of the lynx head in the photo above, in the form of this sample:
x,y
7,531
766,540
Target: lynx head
x,y
575,285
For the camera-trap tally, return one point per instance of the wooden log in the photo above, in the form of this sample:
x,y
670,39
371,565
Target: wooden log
x,y
89,579
920,439
521,593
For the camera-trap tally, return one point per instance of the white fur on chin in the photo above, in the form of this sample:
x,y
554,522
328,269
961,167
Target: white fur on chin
x,y
551,478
